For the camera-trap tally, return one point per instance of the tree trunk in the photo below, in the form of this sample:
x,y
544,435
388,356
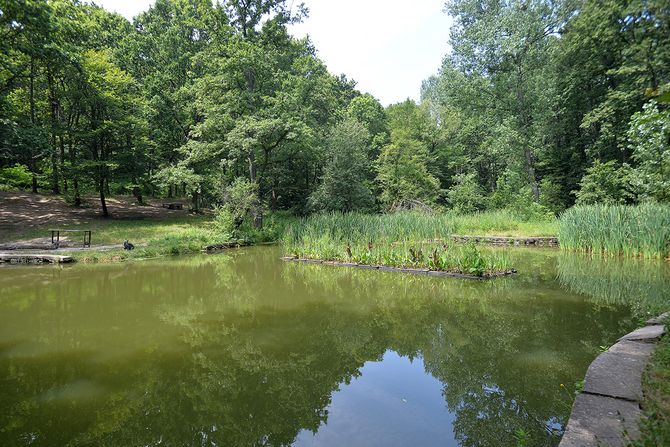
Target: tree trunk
x,y
195,198
137,192
256,208
101,187
73,159
33,162
55,188
77,197
62,162
525,123
533,178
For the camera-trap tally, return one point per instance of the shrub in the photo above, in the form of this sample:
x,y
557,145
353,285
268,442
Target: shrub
x,y
605,183
466,195
17,176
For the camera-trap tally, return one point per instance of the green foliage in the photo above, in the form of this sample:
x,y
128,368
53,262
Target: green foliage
x,y
403,175
606,183
649,139
239,202
369,112
343,185
465,196
17,176
551,195
642,230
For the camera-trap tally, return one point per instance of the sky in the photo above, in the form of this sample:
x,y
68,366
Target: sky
x,y
387,46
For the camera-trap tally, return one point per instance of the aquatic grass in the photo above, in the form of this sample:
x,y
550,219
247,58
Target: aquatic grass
x,y
404,240
631,231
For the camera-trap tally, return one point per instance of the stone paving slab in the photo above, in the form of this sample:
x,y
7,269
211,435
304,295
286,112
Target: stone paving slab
x,y
618,374
632,348
646,333
659,320
600,421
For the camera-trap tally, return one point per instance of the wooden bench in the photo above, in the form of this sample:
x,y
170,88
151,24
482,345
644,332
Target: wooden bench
x,y
55,236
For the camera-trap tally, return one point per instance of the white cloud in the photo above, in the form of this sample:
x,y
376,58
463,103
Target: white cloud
x,y
388,46
127,8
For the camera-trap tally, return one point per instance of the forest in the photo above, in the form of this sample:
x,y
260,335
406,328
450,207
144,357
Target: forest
x,y
538,105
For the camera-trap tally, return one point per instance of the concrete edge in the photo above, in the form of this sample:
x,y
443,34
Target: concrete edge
x,y
607,412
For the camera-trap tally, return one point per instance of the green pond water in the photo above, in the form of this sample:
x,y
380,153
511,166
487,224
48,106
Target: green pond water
x,y
243,349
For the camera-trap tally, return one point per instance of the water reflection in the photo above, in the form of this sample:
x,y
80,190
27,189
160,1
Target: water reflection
x,y
243,349
392,403
641,284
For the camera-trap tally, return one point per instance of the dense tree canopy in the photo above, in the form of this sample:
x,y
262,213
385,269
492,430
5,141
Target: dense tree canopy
x,y
537,105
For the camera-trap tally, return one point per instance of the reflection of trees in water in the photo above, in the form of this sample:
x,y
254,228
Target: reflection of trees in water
x,y
644,285
240,349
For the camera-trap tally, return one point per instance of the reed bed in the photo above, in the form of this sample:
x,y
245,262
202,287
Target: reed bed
x,y
405,240
415,226
617,230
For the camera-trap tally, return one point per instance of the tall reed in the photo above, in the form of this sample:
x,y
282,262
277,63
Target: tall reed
x,y
412,226
632,231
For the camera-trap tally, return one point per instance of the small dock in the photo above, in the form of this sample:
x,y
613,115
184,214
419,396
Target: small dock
x,y
32,258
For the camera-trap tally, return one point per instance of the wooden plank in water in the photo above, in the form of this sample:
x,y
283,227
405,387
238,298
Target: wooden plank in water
x,y
32,258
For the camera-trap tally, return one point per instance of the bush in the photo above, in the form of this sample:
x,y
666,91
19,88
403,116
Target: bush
x,y
17,176
466,195
605,183
240,201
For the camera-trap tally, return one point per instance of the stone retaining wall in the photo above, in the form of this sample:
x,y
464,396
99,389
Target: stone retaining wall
x,y
504,240
16,258
607,411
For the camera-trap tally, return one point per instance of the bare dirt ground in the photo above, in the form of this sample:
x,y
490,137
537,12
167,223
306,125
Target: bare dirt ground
x,y
21,212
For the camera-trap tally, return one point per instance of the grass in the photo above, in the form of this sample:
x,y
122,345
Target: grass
x,y
407,240
632,231
655,425
165,237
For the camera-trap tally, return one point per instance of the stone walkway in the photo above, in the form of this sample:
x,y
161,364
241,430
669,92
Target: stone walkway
x,y
607,411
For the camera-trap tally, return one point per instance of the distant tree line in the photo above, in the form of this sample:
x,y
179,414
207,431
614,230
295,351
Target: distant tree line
x,y
539,104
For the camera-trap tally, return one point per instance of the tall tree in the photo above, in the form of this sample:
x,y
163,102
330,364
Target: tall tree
x,y
344,186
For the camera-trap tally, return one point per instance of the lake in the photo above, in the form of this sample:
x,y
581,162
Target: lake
x,y
243,349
